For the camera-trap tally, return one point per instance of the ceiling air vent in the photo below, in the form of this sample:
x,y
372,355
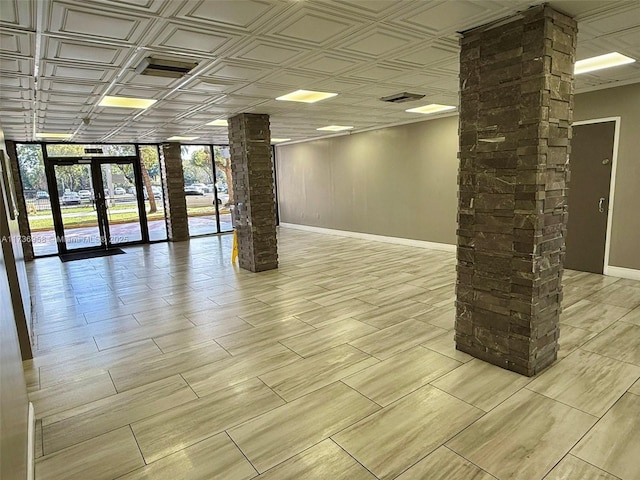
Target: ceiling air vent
x,y
402,97
162,67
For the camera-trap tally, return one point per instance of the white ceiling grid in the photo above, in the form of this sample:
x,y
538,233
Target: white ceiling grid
x,y
251,51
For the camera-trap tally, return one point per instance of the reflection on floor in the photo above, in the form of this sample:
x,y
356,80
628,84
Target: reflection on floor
x,y
44,242
168,362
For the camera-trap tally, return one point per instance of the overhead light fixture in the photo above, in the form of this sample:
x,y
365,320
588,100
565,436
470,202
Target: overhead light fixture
x,y
279,140
433,108
126,102
306,96
334,128
600,62
178,138
54,135
221,122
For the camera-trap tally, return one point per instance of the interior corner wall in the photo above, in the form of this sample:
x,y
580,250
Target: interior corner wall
x,y
623,102
396,181
401,181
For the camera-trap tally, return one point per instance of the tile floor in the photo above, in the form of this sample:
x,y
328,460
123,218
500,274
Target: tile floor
x,y
170,363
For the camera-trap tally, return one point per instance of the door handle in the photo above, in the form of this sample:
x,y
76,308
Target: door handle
x,y
601,205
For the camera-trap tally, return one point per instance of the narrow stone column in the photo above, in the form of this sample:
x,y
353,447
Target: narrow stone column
x,y
23,220
175,203
255,214
516,100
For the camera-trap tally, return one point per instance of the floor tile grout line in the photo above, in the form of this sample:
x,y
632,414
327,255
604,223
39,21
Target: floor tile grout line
x,y
471,462
190,387
226,432
360,393
138,445
349,453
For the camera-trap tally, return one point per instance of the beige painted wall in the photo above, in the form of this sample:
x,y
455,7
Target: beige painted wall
x,y
397,181
401,181
13,392
625,103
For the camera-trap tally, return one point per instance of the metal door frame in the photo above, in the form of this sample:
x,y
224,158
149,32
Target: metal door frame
x,y
612,182
95,164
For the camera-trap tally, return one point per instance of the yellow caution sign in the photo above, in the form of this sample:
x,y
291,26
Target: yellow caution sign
x,y
234,250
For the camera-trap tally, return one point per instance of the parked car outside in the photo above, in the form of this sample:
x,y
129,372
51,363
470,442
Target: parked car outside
x,y
42,194
85,194
222,187
191,190
131,190
200,186
119,191
71,198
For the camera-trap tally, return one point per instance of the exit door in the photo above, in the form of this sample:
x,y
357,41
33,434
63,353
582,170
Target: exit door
x,y
98,203
591,165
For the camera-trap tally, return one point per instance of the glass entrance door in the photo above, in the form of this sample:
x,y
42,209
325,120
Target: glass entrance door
x,y
98,203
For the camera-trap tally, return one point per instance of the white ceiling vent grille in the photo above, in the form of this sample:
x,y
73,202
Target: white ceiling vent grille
x,y
162,67
402,97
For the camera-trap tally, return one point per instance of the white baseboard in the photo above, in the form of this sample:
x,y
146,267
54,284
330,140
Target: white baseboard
x,y
31,443
622,272
375,238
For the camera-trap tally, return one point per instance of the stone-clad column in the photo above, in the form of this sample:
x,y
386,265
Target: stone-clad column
x,y
175,203
255,214
516,99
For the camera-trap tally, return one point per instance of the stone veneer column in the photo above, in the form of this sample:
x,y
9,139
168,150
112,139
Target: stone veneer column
x,y
175,203
255,214
516,100
23,220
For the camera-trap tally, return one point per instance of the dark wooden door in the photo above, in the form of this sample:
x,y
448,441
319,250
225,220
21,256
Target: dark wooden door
x,y
591,161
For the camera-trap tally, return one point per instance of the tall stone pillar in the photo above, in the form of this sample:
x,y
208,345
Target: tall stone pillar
x,y
516,100
255,214
175,203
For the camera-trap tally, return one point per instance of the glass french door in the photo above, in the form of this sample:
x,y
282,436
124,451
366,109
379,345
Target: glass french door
x,y
97,203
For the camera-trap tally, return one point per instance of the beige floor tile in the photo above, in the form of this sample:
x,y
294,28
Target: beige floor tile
x,y
140,333
446,345
620,295
572,294
572,338
63,396
135,374
591,315
613,444
586,381
526,422
328,336
87,421
288,430
200,334
239,368
324,461
260,337
187,424
403,336
90,364
635,388
439,297
305,376
401,374
219,314
443,464
393,313
571,467
342,294
632,317
273,313
38,439
620,341
346,309
393,295
443,317
213,458
101,458
31,377
394,438
481,384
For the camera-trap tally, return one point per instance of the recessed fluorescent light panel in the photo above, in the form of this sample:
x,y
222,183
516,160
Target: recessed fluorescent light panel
x,y
279,140
600,62
219,123
54,135
433,108
334,128
179,138
306,96
127,102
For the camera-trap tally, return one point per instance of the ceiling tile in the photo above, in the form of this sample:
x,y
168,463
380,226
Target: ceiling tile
x,y
378,42
232,13
265,52
312,27
77,51
191,39
17,13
